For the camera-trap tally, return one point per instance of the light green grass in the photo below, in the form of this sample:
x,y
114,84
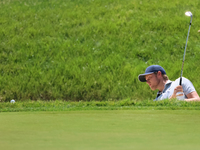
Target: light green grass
x,y
100,130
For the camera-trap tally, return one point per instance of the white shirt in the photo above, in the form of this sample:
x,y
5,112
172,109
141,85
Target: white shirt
x,y
170,86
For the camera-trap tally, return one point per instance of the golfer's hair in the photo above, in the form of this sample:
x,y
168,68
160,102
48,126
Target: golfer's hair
x,y
165,77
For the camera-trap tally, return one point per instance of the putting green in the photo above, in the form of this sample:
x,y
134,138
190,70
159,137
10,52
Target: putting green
x,y
101,130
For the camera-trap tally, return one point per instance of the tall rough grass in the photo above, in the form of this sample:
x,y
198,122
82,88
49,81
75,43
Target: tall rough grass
x,y
93,49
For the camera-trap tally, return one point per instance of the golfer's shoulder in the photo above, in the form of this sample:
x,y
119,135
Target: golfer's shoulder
x,y
184,81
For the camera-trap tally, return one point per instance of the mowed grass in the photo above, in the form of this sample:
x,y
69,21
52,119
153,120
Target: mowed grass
x,y
100,130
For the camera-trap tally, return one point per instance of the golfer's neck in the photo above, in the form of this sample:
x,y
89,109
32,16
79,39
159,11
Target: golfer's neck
x,y
161,85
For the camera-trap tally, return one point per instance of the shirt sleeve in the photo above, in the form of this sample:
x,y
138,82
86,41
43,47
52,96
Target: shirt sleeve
x,y
187,86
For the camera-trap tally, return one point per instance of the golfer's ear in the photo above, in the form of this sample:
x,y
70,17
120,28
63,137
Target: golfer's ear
x,y
159,73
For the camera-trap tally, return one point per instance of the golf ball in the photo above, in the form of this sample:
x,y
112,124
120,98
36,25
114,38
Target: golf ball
x,y
12,101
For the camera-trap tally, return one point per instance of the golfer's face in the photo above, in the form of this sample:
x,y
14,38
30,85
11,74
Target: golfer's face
x,y
152,81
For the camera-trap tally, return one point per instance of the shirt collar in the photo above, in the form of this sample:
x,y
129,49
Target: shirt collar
x,y
168,82
166,86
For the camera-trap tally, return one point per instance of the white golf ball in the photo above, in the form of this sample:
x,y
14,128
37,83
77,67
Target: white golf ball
x,y
12,101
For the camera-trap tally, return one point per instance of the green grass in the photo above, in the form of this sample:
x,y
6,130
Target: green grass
x,y
126,104
93,50
101,130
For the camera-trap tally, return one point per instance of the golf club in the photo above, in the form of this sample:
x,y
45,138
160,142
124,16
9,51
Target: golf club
x,y
188,13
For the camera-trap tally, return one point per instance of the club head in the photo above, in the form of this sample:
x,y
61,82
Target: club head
x,y
188,13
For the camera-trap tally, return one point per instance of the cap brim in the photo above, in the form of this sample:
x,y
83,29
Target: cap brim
x,y
141,77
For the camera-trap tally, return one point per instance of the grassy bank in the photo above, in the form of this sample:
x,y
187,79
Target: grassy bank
x,y
93,50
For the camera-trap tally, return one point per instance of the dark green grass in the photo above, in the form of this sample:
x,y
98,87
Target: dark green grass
x,y
101,130
93,50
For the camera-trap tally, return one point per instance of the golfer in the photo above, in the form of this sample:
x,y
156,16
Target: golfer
x,y
155,76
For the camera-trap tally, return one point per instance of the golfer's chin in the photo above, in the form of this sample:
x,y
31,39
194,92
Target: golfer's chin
x,y
153,88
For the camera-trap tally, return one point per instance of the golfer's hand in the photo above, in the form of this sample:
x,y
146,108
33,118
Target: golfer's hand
x,y
177,89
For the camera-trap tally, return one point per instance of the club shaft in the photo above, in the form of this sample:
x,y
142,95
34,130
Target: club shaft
x,y
185,52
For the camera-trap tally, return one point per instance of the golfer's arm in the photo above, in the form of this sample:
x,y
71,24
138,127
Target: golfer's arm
x,y
193,96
